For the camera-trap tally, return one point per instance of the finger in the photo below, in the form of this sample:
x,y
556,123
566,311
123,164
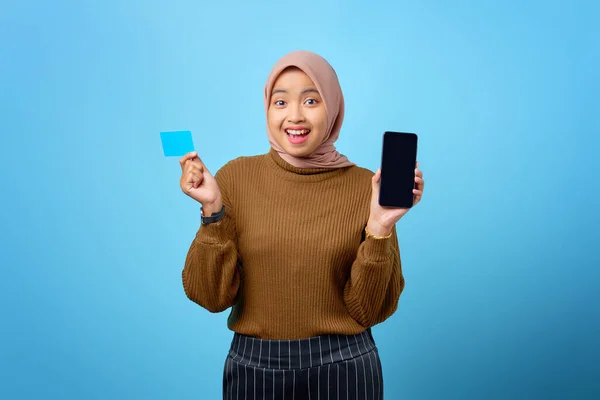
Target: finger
x,y
191,180
195,167
198,161
418,173
186,158
189,162
375,182
417,192
194,179
197,183
420,183
194,185
377,176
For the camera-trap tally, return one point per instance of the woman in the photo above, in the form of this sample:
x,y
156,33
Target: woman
x,y
296,243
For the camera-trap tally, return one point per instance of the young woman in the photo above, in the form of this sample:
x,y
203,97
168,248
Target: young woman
x,y
295,242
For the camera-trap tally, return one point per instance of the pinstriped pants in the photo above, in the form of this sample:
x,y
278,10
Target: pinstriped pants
x,y
334,367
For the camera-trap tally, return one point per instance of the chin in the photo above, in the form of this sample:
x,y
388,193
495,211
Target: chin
x,y
299,152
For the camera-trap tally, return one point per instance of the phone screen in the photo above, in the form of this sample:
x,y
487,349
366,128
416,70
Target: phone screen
x,y
398,163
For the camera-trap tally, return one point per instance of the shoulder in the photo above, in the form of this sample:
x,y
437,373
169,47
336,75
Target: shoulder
x,y
357,180
240,163
235,175
238,166
360,174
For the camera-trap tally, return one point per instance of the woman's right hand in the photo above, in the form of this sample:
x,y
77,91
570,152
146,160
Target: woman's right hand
x,y
198,183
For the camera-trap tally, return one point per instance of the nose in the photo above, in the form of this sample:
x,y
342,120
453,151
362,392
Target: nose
x,y
295,114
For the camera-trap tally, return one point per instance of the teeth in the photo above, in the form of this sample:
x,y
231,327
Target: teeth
x,y
296,132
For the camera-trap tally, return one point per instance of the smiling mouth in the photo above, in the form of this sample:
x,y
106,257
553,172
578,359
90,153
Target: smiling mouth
x,y
297,132
297,136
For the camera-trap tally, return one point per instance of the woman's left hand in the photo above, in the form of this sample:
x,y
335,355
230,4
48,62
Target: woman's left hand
x,y
382,219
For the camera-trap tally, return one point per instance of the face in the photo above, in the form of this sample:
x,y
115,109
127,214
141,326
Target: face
x,y
296,116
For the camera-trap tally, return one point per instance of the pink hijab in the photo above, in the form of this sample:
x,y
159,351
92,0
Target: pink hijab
x,y
324,76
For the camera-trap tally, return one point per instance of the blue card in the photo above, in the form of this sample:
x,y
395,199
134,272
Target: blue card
x,y
176,143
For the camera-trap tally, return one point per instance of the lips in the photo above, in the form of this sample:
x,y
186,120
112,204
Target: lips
x,y
297,134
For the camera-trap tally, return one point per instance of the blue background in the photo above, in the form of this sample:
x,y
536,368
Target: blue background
x,y
501,257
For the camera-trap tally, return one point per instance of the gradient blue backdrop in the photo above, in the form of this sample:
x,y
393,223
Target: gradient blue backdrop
x,y
501,257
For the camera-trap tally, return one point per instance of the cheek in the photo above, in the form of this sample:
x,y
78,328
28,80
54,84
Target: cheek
x,y
274,118
320,120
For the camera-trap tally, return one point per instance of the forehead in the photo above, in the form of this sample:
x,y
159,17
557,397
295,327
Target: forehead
x,y
293,77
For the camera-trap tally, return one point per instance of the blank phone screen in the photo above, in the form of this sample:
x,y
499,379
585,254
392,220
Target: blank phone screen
x,y
398,163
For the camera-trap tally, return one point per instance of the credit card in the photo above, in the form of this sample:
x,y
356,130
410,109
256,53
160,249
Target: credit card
x,y
176,143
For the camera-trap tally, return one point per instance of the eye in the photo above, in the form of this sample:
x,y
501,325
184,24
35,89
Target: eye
x,y
311,102
279,103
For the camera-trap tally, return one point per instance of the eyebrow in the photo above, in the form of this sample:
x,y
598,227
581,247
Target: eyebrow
x,y
308,90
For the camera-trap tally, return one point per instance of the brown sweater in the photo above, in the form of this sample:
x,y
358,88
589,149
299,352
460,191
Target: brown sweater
x,y
290,255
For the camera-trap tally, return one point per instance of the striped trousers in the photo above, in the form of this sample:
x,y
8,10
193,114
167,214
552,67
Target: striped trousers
x,y
334,367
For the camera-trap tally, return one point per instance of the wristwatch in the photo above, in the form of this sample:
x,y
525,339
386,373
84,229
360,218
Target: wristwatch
x,y
215,217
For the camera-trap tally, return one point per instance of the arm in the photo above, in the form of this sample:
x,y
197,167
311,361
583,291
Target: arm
x,y
375,283
211,274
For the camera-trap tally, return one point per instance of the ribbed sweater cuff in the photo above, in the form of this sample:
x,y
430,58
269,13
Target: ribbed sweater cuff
x,y
377,250
214,233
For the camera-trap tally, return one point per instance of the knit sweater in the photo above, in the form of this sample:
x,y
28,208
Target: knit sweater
x,y
290,255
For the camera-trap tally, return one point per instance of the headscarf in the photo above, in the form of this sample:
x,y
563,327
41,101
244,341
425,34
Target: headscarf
x,y
326,80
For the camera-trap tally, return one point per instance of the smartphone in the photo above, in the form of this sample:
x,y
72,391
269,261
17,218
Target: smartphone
x,y
398,163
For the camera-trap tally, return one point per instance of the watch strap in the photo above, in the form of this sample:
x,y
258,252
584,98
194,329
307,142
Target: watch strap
x,y
215,217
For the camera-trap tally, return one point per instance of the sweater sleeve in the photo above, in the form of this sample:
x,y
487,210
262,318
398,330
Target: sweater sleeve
x,y
375,283
211,275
